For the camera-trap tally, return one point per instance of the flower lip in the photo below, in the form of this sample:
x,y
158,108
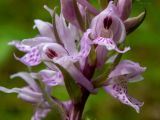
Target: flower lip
x,y
107,22
51,54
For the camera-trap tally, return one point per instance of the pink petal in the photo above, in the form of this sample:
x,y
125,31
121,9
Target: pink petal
x,y
36,41
67,34
45,29
68,12
127,68
31,58
27,78
118,89
101,55
67,63
20,46
124,8
51,78
52,51
107,42
27,94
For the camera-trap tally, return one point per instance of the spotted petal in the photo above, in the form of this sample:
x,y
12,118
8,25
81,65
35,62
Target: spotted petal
x,y
27,44
109,44
20,46
31,58
118,89
51,78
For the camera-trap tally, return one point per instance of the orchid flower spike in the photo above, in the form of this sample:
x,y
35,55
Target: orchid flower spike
x,y
80,50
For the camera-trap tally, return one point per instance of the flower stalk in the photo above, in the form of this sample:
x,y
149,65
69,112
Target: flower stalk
x,y
77,109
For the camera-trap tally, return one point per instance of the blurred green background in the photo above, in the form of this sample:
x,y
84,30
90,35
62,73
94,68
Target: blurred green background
x,y
16,21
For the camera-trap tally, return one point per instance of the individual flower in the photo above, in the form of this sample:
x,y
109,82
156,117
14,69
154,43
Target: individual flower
x,y
108,25
32,94
106,32
126,71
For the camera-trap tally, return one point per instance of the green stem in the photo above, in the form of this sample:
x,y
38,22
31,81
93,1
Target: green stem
x,y
77,109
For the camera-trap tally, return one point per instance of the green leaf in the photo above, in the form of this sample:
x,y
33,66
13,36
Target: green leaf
x,y
98,81
92,57
101,79
132,23
73,89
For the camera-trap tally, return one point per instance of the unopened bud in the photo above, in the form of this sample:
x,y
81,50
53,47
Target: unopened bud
x,y
132,23
124,8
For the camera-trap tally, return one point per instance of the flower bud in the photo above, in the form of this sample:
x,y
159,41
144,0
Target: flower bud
x,y
124,8
68,11
132,23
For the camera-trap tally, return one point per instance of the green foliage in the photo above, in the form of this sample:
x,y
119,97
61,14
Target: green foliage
x,y
72,87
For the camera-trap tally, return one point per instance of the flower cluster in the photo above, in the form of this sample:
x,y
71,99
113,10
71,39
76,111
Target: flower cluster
x,y
81,41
